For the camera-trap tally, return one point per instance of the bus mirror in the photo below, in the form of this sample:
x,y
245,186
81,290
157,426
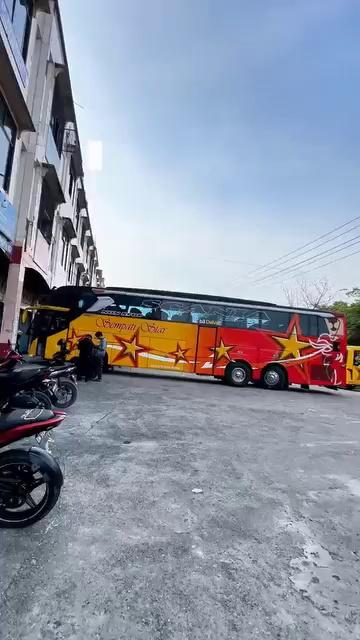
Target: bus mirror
x,y
24,316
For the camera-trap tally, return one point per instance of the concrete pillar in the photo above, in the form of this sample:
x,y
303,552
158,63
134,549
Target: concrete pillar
x,y
12,300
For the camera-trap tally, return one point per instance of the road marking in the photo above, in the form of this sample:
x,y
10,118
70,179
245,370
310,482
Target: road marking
x,y
328,444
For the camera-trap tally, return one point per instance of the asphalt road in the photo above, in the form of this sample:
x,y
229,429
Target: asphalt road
x,y
270,548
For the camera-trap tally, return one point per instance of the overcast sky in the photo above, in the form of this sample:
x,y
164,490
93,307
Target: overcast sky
x,y
230,133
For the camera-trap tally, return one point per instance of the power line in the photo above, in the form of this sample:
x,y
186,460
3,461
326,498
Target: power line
x,y
321,244
344,245
325,264
308,244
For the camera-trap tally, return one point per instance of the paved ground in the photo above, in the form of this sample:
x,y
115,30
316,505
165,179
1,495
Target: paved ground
x,y
270,549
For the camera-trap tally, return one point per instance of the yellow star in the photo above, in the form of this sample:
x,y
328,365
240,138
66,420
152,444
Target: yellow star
x,y
131,348
291,345
179,354
222,351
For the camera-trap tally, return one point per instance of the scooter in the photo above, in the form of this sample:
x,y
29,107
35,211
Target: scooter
x,y
31,478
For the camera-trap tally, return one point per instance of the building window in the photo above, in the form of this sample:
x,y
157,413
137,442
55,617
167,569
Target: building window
x,y
64,248
72,181
7,144
83,231
20,13
57,123
78,274
46,212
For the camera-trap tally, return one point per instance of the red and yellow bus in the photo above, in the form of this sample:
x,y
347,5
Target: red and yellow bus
x,y
238,340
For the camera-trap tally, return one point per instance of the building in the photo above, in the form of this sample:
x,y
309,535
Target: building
x,y
46,238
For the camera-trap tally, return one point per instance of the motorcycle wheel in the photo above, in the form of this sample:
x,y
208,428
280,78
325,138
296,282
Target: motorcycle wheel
x,y
31,400
28,489
66,394
43,399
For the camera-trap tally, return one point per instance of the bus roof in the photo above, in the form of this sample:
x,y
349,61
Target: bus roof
x,y
187,296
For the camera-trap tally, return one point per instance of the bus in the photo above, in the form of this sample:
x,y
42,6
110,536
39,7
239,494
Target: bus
x,y
238,341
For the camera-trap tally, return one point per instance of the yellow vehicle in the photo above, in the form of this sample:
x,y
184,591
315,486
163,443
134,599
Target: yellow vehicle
x,y
353,367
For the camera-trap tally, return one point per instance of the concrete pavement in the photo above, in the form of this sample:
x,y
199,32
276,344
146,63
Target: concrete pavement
x,y
270,547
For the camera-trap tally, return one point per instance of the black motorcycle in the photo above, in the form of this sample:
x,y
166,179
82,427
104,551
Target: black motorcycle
x,y
61,386
21,387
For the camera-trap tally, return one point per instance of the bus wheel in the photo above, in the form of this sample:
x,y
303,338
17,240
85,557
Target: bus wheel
x,y
238,374
274,377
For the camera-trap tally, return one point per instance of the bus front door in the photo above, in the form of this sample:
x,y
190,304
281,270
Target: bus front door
x,y
206,351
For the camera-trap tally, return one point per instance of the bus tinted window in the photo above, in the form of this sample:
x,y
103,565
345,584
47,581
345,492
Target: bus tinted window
x,y
175,311
142,308
309,325
242,318
207,314
275,320
322,326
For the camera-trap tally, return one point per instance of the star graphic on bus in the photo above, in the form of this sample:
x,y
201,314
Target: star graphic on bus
x,y
130,348
291,344
222,351
73,339
179,354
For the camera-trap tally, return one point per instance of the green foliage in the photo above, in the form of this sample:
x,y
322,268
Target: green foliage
x,y
351,310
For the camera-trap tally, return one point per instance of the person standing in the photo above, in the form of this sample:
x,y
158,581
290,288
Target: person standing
x,y
99,354
86,348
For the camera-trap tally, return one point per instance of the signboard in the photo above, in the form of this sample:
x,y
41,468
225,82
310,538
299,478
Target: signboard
x,y
12,43
7,222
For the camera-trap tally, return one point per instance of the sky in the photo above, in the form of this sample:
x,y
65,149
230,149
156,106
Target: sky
x,y
230,137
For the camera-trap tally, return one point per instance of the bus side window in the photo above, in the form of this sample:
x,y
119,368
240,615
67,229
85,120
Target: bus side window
x,y
356,358
175,311
235,317
309,325
207,314
322,326
275,320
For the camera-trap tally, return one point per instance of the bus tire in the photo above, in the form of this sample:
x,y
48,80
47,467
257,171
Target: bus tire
x,y
238,374
274,377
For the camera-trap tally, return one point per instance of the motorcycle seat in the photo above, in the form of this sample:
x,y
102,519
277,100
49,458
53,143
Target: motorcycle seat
x,y
21,374
19,417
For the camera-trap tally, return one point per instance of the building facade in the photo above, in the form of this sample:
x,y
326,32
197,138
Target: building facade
x,y
46,238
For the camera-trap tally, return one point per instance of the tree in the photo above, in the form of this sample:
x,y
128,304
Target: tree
x,y
312,295
352,312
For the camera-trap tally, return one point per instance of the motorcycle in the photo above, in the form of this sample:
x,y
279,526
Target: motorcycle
x,y
20,387
60,386
30,479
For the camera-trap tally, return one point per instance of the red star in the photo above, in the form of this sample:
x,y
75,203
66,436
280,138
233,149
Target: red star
x,y
74,338
179,354
130,348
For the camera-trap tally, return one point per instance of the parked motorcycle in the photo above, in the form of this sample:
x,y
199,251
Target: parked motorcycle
x,y
59,386
30,479
20,387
